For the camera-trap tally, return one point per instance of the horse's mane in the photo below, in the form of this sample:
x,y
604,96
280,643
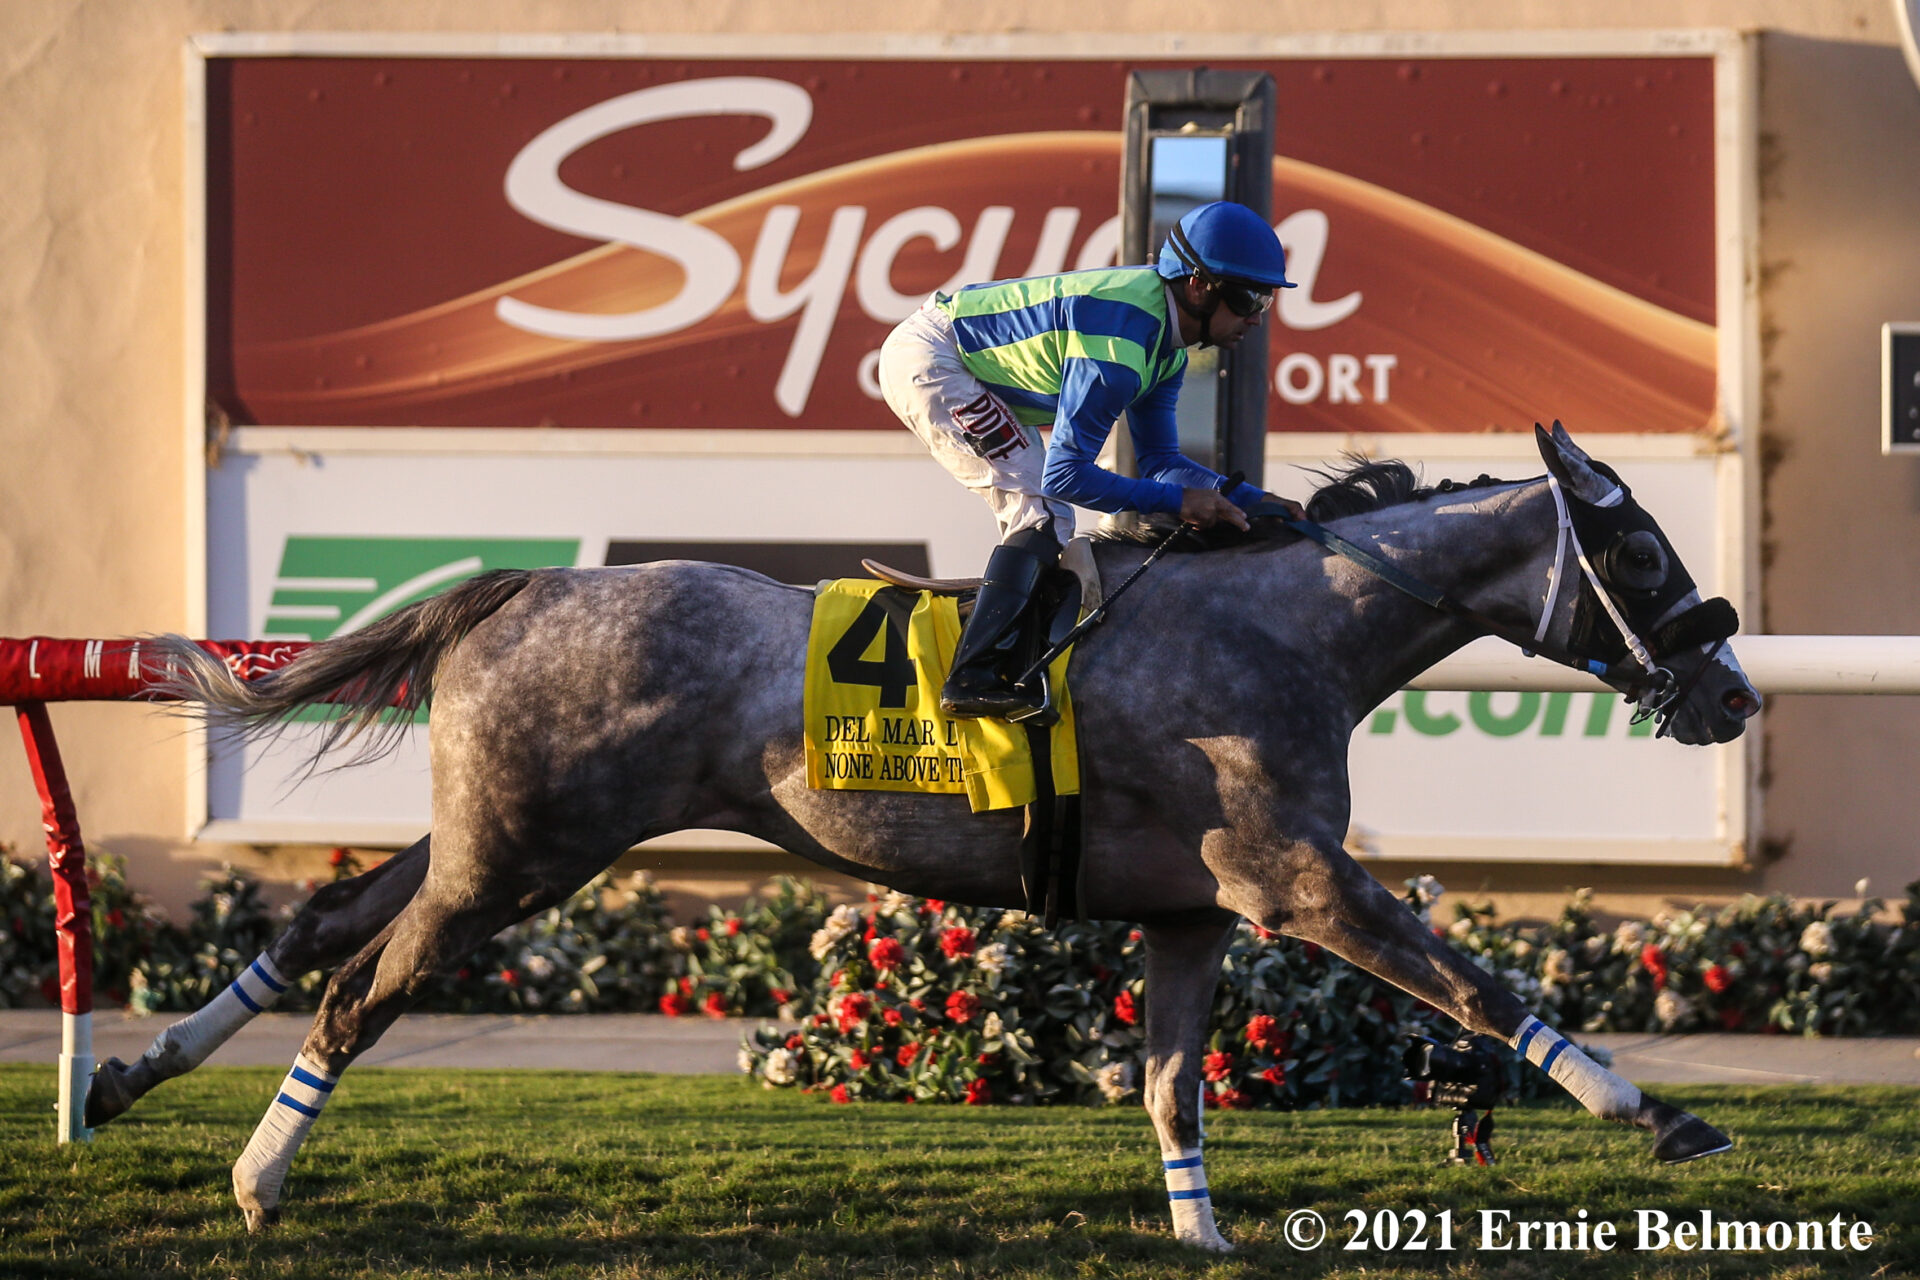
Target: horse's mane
x,y
1353,486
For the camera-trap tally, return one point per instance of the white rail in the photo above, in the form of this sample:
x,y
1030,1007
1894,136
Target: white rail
x,y
1775,664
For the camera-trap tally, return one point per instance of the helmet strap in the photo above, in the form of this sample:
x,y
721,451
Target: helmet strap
x,y
1183,249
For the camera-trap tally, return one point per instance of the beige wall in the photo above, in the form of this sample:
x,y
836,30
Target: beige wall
x,y
92,454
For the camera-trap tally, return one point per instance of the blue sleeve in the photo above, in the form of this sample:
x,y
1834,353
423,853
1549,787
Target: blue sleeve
x,y
1093,395
1156,448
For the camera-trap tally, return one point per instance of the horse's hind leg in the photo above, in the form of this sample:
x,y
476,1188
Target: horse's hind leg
x,y
1333,902
339,920
1183,969
458,907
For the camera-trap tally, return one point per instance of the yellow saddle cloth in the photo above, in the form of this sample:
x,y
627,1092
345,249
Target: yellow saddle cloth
x,y
876,658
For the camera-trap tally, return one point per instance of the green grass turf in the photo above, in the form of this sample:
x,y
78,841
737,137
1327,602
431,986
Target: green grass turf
x,y
525,1173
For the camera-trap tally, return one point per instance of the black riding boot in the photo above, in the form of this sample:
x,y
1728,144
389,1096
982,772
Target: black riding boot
x,y
977,686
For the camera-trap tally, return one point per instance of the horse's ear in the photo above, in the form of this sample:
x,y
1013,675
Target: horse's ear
x,y
1568,463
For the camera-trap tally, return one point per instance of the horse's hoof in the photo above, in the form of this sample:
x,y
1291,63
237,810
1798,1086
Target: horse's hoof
x,y
1680,1137
107,1096
259,1220
1211,1241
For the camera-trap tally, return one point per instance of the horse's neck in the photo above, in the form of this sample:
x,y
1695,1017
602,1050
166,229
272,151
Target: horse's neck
x,y
1490,550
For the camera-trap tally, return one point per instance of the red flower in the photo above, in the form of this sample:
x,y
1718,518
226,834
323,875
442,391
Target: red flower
x,y
780,995
839,976
796,1042
701,933
1275,1075
1731,1019
1263,1032
887,953
715,1005
1218,1066
979,1094
1235,1099
509,977
962,1005
819,1019
1264,933
918,1004
1717,978
988,1060
338,858
894,1017
936,905
869,935
686,986
1655,964
956,942
733,925
840,1094
908,1052
1123,1008
858,1060
117,918
673,1004
853,1011
1313,950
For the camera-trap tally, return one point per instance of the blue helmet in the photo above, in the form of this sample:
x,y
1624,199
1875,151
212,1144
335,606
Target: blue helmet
x,y
1226,241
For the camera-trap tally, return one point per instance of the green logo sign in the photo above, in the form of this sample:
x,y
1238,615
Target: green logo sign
x,y
329,586
1507,715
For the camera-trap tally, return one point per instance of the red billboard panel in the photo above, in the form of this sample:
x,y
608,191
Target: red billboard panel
x,y
723,244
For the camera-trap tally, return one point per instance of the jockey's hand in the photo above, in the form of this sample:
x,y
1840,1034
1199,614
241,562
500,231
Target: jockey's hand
x,y
1204,508
1292,509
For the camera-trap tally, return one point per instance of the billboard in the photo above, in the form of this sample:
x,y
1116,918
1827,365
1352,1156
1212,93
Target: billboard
x,y
556,305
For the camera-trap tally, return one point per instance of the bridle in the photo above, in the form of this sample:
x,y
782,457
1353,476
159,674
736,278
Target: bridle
x,y
1624,659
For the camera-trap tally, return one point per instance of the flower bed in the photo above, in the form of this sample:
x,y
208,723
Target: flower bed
x,y
912,1000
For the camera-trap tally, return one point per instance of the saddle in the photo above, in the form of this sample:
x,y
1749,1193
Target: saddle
x,y
1050,847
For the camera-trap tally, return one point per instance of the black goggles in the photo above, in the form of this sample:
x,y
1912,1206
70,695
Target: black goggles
x,y
1244,299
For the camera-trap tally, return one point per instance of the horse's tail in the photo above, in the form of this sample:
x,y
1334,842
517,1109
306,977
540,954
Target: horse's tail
x,y
375,677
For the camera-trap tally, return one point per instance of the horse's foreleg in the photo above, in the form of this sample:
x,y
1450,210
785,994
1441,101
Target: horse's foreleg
x,y
1341,907
339,920
1183,968
441,924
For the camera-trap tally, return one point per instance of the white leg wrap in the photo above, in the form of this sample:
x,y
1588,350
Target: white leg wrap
x,y
187,1043
1188,1199
262,1168
1598,1090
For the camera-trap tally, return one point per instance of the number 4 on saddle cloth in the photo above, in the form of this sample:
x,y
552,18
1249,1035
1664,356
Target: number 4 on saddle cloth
x,y
877,655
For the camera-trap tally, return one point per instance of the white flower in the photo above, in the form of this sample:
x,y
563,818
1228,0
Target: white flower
x,y
1860,887
1460,928
533,999
1672,1009
844,920
745,1060
1559,966
992,957
1822,972
779,1067
894,903
680,938
993,1028
539,967
1522,949
790,1012
1595,948
1817,938
1629,937
1115,1080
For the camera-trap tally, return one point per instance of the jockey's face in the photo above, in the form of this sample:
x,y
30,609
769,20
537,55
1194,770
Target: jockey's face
x,y
1227,327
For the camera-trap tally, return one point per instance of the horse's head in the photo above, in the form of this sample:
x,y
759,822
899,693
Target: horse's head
x,y
1637,609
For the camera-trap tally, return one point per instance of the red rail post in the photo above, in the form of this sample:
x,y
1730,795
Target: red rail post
x,y
73,916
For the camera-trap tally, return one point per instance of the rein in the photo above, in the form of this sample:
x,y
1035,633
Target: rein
x,y
1653,687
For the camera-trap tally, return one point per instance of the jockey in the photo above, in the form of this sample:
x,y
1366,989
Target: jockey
x,y
976,373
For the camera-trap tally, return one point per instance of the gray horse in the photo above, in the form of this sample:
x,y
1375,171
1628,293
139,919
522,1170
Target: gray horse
x,y
579,712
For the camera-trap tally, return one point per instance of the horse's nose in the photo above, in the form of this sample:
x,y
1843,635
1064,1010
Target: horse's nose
x,y
1744,703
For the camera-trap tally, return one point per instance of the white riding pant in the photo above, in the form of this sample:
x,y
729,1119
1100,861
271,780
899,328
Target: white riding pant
x,y
969,430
